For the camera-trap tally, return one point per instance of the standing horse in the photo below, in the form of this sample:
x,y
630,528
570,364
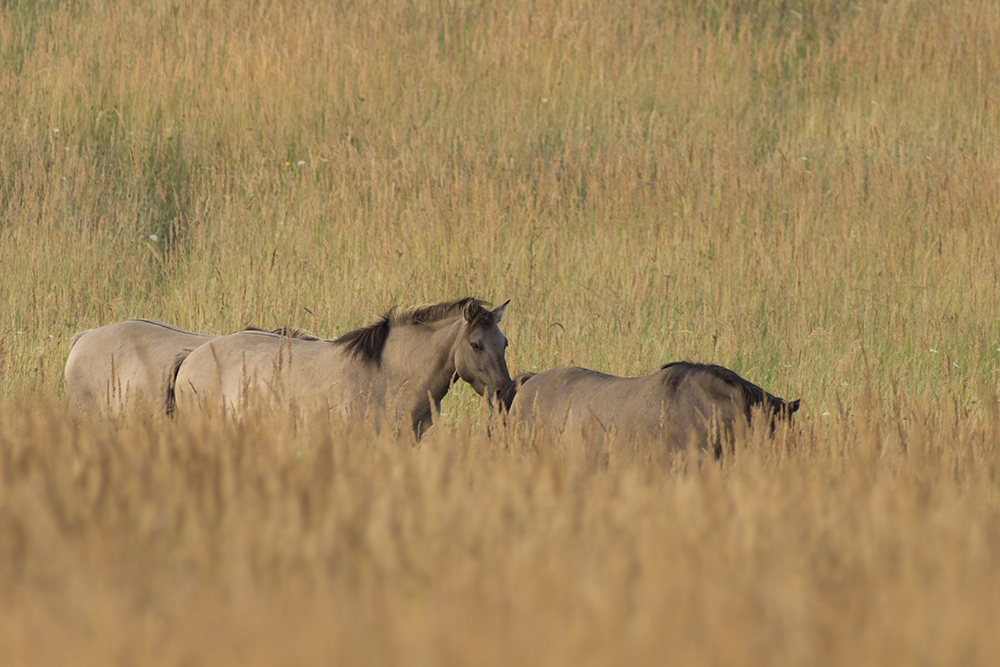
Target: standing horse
x,y
125,364
398,368
682,403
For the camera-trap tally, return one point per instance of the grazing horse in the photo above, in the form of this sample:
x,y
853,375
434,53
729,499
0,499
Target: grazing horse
x,y
124,365
683,403
398,368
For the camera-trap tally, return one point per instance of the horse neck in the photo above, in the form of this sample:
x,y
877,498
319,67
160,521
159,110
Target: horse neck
x,y
420,359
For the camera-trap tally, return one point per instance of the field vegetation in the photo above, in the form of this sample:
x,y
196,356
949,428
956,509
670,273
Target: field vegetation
x,y
805,192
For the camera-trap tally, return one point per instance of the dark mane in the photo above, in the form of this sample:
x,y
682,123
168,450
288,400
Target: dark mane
x,y
287,332
753,394
367,343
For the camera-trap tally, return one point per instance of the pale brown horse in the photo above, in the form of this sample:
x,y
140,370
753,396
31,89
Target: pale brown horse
x,y
397,369
684,403
126,364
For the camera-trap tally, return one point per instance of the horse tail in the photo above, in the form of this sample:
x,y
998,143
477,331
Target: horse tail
x,y
507,394
76,337
175,367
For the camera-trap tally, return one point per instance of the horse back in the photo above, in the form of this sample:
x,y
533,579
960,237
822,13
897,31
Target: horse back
x,y
576,399
256,364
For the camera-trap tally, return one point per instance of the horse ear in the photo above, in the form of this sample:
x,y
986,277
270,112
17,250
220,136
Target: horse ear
x,y
472,308
793,407
497,314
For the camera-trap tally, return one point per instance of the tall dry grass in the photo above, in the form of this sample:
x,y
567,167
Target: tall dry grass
x,y
805,192
272,543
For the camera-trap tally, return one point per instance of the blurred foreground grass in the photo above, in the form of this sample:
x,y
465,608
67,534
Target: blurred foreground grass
x,y
205,542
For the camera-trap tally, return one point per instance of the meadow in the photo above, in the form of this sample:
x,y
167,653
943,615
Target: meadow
x,y
805,192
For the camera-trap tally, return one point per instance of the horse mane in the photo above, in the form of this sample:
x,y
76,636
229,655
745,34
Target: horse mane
x,y
752,394
287,332
367,343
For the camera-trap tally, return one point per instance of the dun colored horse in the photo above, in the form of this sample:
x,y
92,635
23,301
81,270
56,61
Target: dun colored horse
x,y
683,403
125,364
397,369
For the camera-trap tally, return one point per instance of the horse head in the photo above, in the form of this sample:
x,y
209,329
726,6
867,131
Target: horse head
x,y
479,352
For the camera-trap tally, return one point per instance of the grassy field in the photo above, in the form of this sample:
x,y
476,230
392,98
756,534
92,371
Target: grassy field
x,y
805,192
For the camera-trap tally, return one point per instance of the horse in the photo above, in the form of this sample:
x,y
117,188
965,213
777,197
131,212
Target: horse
x,y
125,364
398,368
683,403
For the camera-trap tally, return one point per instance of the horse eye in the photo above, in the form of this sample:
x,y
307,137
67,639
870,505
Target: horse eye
x,y
476,346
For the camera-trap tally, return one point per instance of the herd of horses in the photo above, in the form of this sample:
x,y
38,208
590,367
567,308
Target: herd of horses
x,y
397,371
